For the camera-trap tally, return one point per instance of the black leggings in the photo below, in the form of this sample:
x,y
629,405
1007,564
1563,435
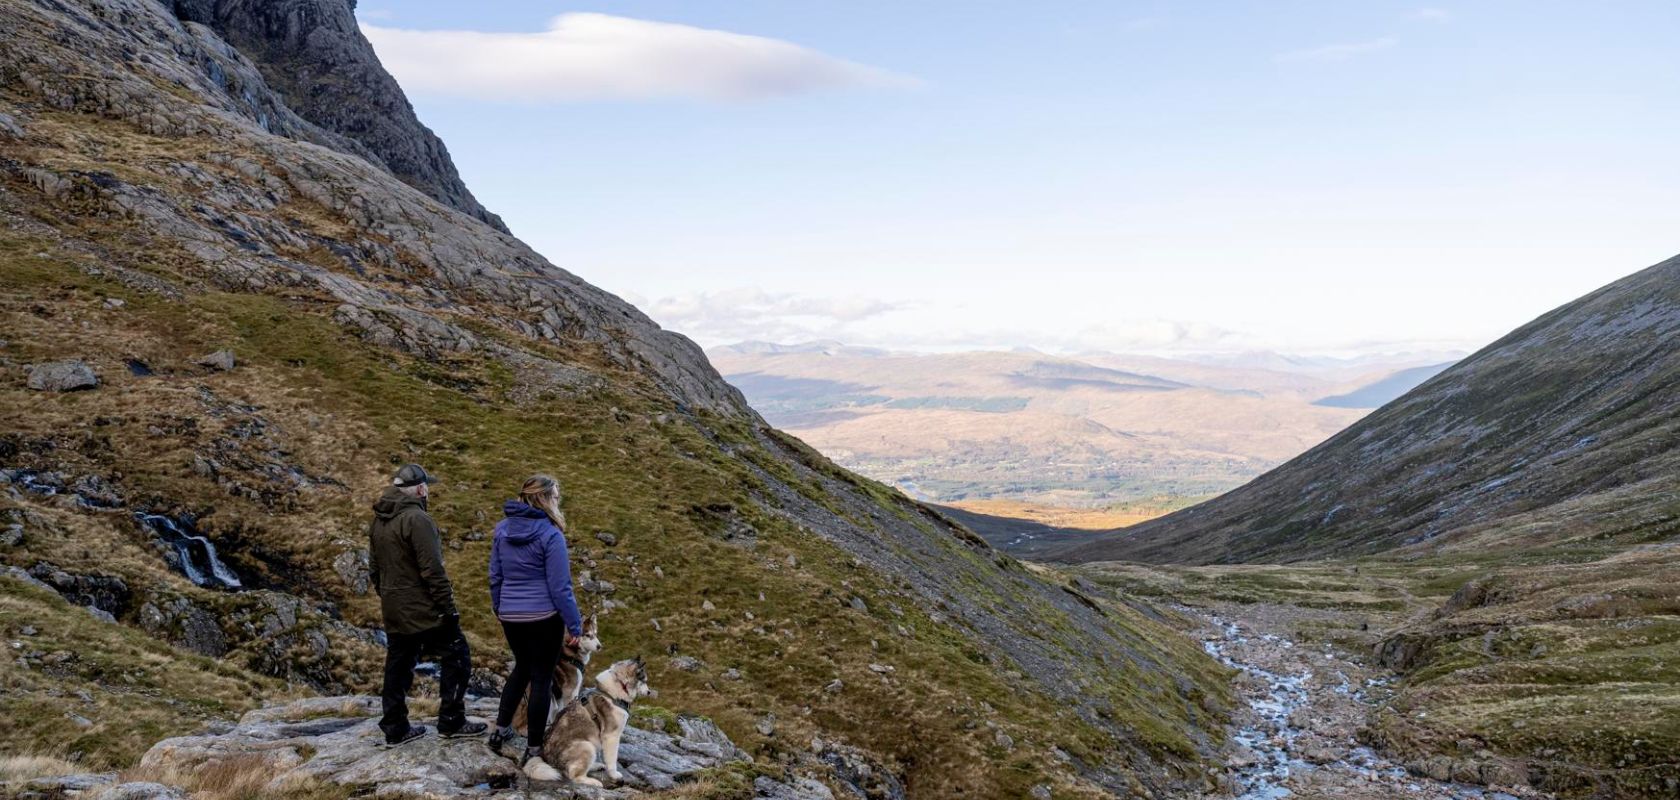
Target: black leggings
x,y
536,650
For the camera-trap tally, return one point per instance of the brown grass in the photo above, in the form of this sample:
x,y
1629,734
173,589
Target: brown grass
x,y
22,767
242,777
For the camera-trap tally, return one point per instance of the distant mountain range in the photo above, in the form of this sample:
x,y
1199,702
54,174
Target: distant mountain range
x,y
1379,393
1092,430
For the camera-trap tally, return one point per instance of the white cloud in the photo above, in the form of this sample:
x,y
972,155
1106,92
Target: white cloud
x,y
603,57
1337,52
738,315
1432,15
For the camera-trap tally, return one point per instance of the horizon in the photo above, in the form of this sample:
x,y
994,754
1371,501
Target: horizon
x,y
1343,357
1309,178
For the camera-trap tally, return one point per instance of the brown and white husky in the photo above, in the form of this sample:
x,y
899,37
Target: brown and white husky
x,y
568,676
596,723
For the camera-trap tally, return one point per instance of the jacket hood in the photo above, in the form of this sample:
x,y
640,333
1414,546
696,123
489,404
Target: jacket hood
x,y
394,502
524,522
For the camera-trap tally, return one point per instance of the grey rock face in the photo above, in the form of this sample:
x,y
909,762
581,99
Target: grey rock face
x,y
185,625
106,593
352,568
62,376
313,54
858,771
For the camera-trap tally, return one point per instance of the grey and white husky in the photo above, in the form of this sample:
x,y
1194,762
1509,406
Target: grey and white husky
x,y
596,723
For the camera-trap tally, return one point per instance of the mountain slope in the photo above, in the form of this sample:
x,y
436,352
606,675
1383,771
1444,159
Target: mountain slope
x,y
1579,402
160,200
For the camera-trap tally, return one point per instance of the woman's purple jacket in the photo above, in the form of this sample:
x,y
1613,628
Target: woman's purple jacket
x,y
530,571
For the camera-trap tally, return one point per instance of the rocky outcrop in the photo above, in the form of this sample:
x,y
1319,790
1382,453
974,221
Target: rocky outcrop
x,y
106,593
185,625
312,53
337,740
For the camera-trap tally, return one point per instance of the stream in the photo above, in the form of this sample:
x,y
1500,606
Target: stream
x,y
1294,734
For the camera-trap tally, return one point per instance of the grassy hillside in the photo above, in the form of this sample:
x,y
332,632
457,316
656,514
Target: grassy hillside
x,y
146,219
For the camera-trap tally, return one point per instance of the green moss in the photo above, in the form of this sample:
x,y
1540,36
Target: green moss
x,y
655,718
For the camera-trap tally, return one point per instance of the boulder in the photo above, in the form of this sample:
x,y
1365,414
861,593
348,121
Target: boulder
x,y
686,663
221,360
62,376
141,791
58,786
798,789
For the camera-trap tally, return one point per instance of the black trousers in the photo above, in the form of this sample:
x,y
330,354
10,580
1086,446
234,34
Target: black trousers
x,y
536,650
402,652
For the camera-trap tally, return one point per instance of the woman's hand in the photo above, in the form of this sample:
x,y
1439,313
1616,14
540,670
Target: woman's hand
x,y
571,641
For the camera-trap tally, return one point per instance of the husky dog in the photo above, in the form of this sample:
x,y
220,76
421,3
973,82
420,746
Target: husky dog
x,y
596,723
568,676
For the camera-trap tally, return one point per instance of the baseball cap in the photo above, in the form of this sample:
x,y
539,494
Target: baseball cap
x,y
411,475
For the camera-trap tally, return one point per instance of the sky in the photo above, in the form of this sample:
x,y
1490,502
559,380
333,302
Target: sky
x,y
1327,178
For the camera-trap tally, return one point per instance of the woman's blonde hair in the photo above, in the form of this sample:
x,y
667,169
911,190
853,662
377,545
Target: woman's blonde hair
x,y
543,491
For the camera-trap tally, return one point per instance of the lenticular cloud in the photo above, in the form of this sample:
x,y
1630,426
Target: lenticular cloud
x,y
603,57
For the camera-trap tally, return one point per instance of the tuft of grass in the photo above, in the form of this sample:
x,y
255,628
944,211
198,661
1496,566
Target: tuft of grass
x,y
23,767
241,777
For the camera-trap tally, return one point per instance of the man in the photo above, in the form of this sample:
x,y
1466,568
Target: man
x,y
406,566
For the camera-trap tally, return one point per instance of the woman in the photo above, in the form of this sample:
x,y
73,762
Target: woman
x,y
531,593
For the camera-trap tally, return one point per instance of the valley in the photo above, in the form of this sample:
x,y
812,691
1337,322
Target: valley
x,y
1123,436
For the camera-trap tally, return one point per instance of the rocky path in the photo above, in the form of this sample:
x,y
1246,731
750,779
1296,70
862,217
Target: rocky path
x,y
1301,707
335,740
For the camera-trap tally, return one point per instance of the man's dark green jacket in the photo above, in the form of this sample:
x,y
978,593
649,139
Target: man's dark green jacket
x,y
406,561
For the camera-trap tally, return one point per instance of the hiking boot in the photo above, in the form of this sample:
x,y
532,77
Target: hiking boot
x,y
467,729
413,732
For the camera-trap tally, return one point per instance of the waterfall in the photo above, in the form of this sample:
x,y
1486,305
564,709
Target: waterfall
x,y
195,555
